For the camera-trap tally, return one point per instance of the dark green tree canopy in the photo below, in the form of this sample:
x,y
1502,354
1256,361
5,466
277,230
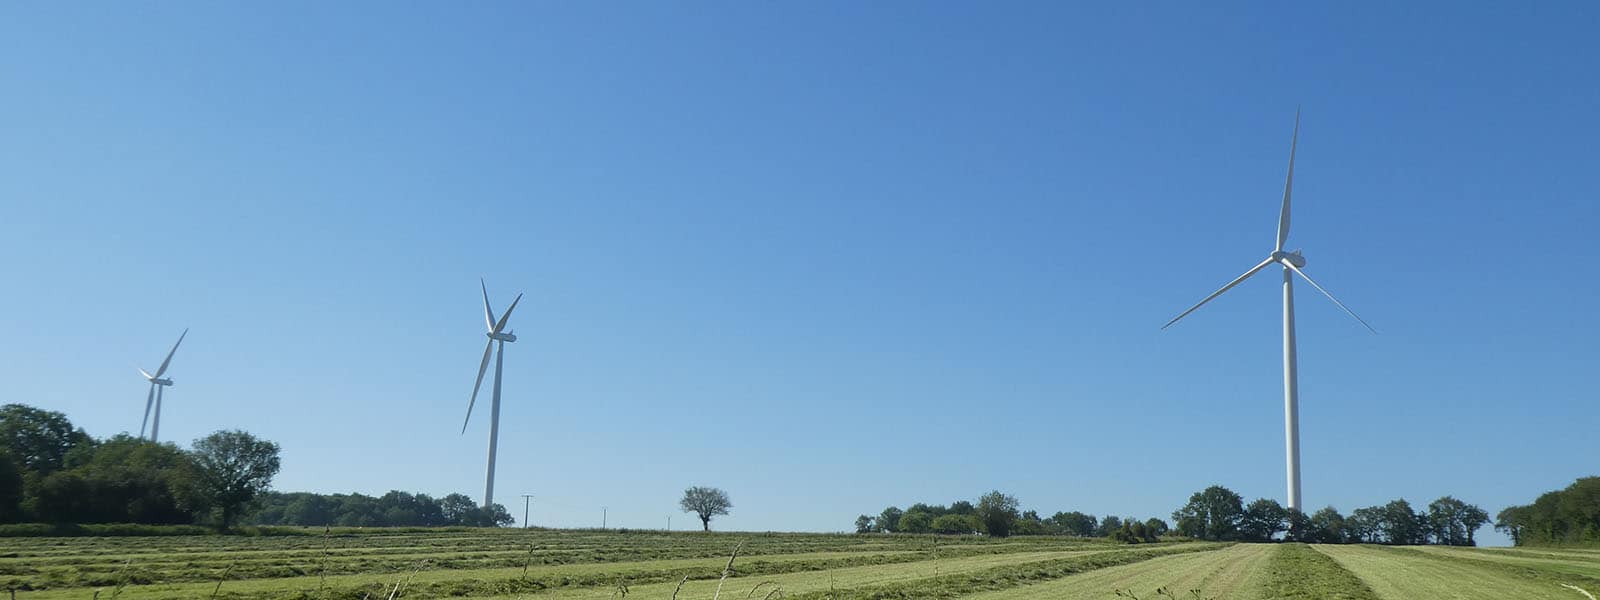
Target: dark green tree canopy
x,y
232,468
996,511
39,440
1211,514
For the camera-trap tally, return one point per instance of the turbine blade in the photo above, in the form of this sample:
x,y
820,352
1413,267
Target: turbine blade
x,y
1325,292
145,373
1225,288
487,350
148,402
1288,186
163,368
488,315
507,316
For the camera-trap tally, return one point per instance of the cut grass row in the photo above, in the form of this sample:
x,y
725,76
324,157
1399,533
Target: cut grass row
x,y
1405,574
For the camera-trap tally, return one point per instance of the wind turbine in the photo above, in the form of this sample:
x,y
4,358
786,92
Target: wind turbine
x,y
1292,263
157,384
498,337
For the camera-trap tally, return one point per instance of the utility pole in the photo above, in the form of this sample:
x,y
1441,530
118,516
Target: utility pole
x,y
526,498
603,517
669,522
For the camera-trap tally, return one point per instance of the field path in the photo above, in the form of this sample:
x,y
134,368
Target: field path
x,y
1229,573
1400,575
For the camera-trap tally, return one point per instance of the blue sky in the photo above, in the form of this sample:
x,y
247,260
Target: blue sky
x,y
827,256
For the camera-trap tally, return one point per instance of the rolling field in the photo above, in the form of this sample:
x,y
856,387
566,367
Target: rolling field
x,y
510,564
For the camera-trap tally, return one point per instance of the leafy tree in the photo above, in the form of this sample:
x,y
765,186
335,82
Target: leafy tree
x,y
932,510
1453,522
1327,527
1263,519
1109,525
38,439
705,502
1076,523
962,507
1513,521
889,519
231,469
1299,526
864,524
997,511
1364,525
1211,514
496,515
1400,525
10,488
1156,527
456,509
916,522
952,524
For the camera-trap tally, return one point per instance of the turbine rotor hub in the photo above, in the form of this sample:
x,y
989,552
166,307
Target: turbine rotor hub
x,y
504,337
1293,258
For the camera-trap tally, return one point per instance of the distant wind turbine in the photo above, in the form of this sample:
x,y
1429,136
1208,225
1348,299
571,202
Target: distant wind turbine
x,y
1292,263
157,384
498,337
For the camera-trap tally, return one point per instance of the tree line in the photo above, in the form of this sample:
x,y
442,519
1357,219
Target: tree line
x,y
1565,516
998,514
394,509
54,472
1217,513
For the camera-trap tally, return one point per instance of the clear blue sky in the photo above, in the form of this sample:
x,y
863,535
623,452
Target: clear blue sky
x,y
827,256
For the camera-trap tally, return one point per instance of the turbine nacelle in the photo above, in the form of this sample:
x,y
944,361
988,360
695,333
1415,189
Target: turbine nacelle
x,y
161,382
1293,258
503,337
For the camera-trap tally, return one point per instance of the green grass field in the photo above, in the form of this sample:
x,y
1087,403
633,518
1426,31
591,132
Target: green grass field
x,y
592,565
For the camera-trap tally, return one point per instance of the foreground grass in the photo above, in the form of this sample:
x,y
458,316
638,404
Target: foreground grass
x,y
1405,574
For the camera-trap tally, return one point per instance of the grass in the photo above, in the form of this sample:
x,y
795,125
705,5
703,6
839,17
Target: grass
x,y
591,565
1296,572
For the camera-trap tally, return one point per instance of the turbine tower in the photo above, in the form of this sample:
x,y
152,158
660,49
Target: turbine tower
x,y
157,384
498,337
1292,263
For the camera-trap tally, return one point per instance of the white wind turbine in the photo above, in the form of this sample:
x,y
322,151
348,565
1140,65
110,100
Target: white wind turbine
x,y
497,336
1292,263
157,384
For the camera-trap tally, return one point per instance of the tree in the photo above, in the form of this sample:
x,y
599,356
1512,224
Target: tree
x,y
1076,523
889,519
456,509
962,507
10,488
864,524
997,511
1513,521
1109,525
916,521
953,524
706,502
1156,527
1027,524
38,440
232,468
1211,514
1327,527
1299,526
1262,520
1399,525
1453,522
1364,526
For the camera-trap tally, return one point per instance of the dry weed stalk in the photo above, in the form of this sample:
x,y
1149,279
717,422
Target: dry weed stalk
x,y
680,587
224,577
727,570
1579,590
752,591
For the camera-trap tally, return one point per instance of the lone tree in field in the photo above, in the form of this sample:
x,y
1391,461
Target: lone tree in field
x,y
706,502
232,468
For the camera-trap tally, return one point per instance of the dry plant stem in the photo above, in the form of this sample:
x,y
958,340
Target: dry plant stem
x,y
122,580
726,570
1579,590
401,587
680,587
752,591
527,560
322,574
775,591
224,577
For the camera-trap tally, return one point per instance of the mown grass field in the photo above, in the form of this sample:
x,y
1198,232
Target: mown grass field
x,y
510,564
